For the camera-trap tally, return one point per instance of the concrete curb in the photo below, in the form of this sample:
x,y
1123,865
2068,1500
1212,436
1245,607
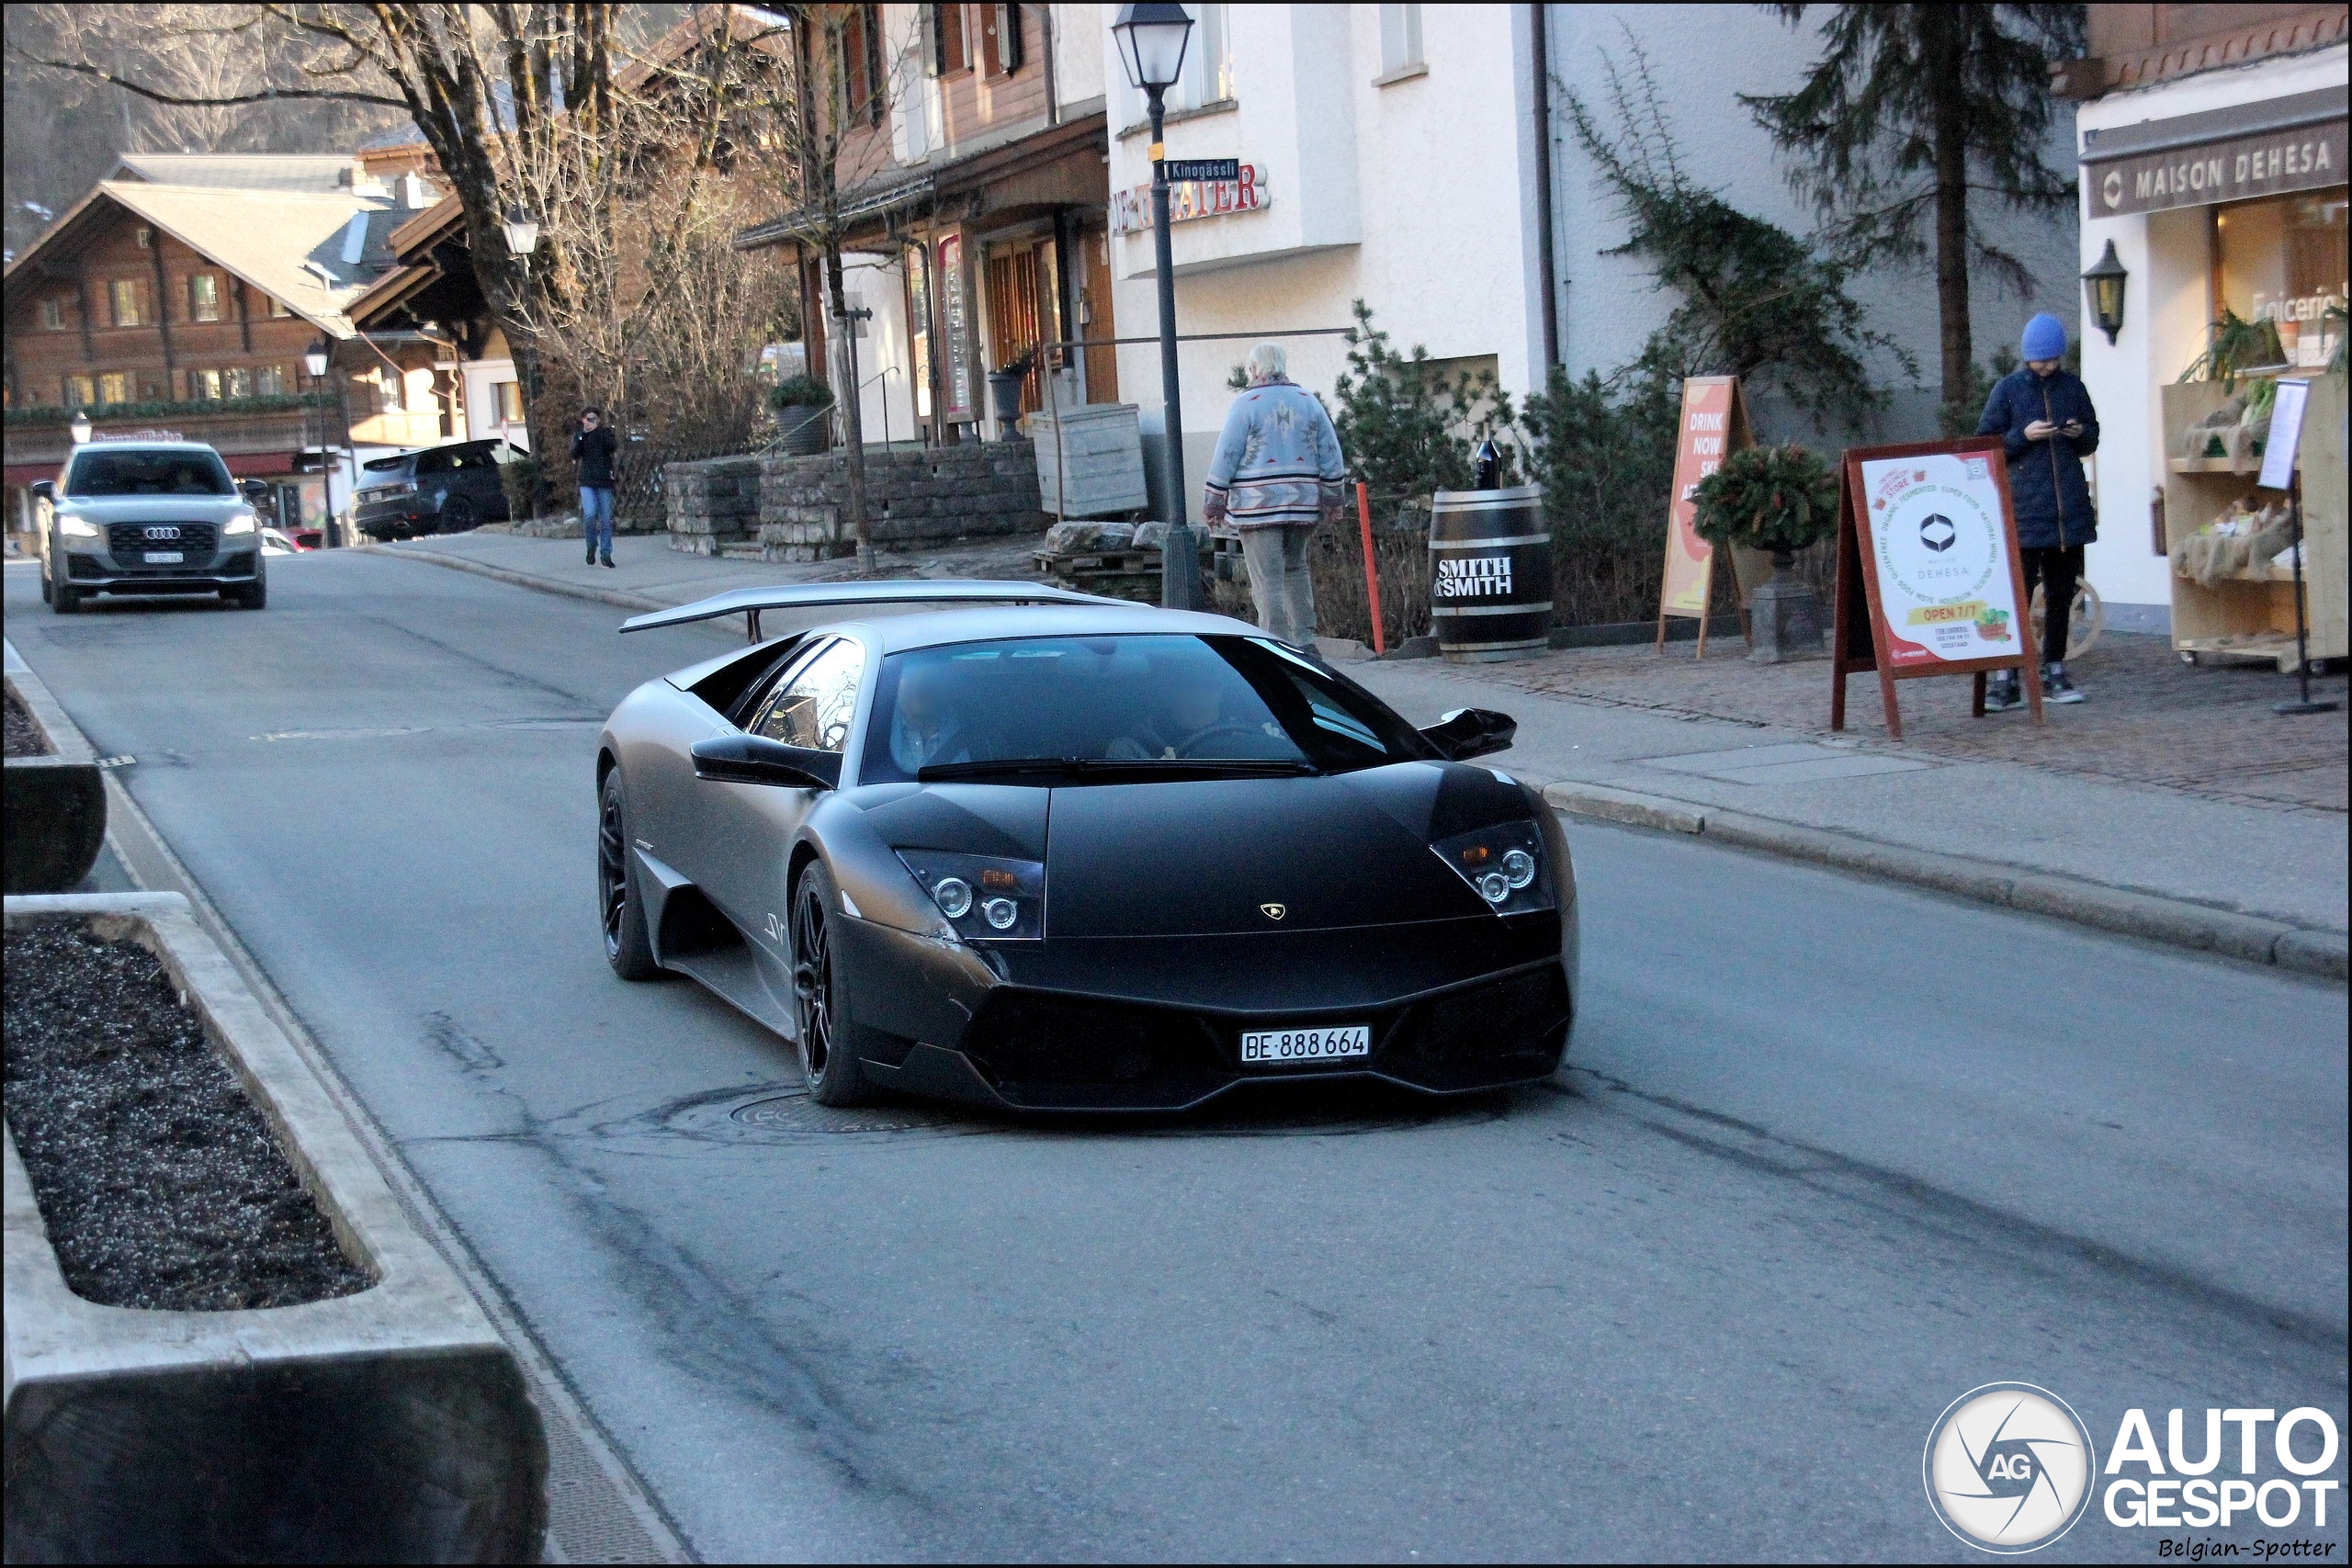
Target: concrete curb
x,y
56,805
2173,921
392,1425
619,598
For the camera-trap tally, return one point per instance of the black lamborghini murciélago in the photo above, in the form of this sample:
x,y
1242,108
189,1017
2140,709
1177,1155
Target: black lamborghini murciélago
x,y
1049,852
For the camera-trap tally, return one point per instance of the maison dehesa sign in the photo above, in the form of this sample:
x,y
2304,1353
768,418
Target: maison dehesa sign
x,y
2305,157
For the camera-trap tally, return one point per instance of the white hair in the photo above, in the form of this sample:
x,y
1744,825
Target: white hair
x,y
1267,361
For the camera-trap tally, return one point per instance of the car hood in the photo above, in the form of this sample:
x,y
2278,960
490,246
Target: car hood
x,y
1235,856
155,508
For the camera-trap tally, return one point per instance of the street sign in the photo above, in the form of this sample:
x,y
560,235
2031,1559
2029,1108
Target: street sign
x,y
1201,169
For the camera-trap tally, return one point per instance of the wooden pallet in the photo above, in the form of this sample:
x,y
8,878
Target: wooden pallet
x,y
1115,574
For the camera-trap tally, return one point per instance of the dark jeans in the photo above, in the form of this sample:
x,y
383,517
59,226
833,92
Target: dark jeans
x,y
2059,571
596,518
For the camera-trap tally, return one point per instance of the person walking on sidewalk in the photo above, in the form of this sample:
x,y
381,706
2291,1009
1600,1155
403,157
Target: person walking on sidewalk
x,y
594,448
2044,417
1276,472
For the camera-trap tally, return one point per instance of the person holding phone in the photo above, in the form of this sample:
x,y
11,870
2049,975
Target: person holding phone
x,y
2043,415
594,448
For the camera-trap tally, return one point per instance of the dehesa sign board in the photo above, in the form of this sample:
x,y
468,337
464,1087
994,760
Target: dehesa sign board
x,y
1929,577
1943,553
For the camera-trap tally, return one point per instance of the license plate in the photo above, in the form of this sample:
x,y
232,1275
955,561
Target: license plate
x,y
1274,1046
164,557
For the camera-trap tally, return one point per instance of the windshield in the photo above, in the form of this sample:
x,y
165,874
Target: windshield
x,y
192,472
1121,700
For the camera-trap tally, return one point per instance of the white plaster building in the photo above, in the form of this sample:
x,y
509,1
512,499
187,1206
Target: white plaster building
x,y
1394,151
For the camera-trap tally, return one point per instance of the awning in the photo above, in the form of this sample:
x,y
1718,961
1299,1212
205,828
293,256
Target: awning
x,y
2226,154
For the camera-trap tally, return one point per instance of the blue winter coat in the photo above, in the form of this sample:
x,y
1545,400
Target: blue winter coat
x,y
2046,484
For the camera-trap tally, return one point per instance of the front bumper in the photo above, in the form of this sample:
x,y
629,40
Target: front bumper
x,y
102,574
989,1034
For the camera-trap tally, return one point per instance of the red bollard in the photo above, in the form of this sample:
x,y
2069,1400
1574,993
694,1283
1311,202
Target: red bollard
x,y
1371,570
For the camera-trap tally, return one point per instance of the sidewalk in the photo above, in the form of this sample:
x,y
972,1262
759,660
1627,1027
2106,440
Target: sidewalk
x,y
2245,824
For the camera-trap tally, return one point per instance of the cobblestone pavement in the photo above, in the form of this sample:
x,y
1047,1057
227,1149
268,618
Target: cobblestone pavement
x,y
2147,718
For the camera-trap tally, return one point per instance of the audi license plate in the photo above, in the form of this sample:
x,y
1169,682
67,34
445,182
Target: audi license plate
x,y
1275,1046
164,557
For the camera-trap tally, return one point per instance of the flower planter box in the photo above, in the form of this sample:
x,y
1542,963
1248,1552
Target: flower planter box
x,y
55,811
388,1425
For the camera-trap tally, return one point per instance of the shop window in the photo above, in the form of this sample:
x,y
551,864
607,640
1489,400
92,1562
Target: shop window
x,y
203,297
114,388
81,391
128,297
204,386
269,381
2283,259
1400,41
237,382
52,315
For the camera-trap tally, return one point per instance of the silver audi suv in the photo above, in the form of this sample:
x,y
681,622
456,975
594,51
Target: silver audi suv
x,y
149,516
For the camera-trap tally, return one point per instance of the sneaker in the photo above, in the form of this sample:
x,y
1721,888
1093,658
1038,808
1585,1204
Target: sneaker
x,y
2001,693
591,555
2055,687
606,562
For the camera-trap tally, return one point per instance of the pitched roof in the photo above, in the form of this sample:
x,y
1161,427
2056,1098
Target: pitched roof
x,y
317,174
288,244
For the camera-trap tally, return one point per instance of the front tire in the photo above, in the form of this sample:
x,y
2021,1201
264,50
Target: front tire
x,y
252,596
628,948
825,1054
64,599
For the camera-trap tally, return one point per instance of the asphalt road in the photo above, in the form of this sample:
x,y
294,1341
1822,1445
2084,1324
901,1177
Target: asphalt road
x,y
1829,1154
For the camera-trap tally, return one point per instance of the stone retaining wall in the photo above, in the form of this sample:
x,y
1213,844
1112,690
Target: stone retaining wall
x,y
792,508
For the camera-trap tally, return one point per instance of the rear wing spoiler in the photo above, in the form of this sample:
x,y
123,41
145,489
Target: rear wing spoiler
x,y
749,601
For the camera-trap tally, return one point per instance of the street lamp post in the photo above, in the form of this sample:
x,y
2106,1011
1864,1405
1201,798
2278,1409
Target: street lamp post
x,y
1152,39
315,362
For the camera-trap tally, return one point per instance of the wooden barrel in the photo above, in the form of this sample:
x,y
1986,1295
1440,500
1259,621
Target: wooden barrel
x,y
1490,573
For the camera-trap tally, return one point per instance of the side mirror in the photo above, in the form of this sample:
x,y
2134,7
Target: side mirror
x,y
254,491
45,490
754,759
1472,732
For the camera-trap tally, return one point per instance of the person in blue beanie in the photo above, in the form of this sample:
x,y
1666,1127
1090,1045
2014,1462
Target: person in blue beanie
x,y
2044,418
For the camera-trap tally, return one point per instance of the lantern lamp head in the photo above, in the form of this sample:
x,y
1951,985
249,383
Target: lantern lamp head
x,y
80,428
315,359
522,235
1151,44
2103,292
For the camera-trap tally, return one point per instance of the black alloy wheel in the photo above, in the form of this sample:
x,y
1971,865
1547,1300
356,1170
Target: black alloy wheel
x,y
457,515
627,947
826,1055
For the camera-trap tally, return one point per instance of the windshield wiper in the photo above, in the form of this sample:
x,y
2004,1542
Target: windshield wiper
x,y
1114,767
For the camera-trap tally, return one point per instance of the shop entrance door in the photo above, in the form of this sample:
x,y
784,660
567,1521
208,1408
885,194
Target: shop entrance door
x,y
1095,323
1016,308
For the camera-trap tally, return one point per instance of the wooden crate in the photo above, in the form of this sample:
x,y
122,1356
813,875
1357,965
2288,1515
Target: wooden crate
x,y
1090,459
2253,615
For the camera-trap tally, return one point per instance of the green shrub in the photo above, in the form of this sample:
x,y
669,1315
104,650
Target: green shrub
x,y
520,478
1780,498
800,392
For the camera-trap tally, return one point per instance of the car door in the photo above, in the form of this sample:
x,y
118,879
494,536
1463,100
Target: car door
x,y
746,828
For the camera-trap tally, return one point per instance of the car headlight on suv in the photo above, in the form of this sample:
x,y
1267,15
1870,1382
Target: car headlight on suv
x,y
1503,864
985,898
243,523
77,527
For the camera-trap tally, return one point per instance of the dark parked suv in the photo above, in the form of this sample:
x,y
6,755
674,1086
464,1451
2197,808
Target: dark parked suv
x,y
440,490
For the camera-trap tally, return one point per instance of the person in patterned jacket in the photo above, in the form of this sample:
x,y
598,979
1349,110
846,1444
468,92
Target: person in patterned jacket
x,y
1277,471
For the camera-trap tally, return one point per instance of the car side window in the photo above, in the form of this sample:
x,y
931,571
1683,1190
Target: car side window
x,y
430,463
815,706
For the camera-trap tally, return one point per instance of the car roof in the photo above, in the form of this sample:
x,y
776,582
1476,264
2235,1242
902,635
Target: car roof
x,y
143,446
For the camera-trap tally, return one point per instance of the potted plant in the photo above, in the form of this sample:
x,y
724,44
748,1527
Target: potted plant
x,y
1004,388
802,407
1778,499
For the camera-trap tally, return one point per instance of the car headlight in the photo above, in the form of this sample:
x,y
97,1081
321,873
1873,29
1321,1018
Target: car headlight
x,y
238,526
1503,864
985,898
77,527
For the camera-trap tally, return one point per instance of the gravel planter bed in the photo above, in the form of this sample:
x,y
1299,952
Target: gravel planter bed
x,y
161,1183
25,739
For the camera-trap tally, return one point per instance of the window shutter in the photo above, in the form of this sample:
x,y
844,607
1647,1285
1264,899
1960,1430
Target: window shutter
x,y
1008,39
